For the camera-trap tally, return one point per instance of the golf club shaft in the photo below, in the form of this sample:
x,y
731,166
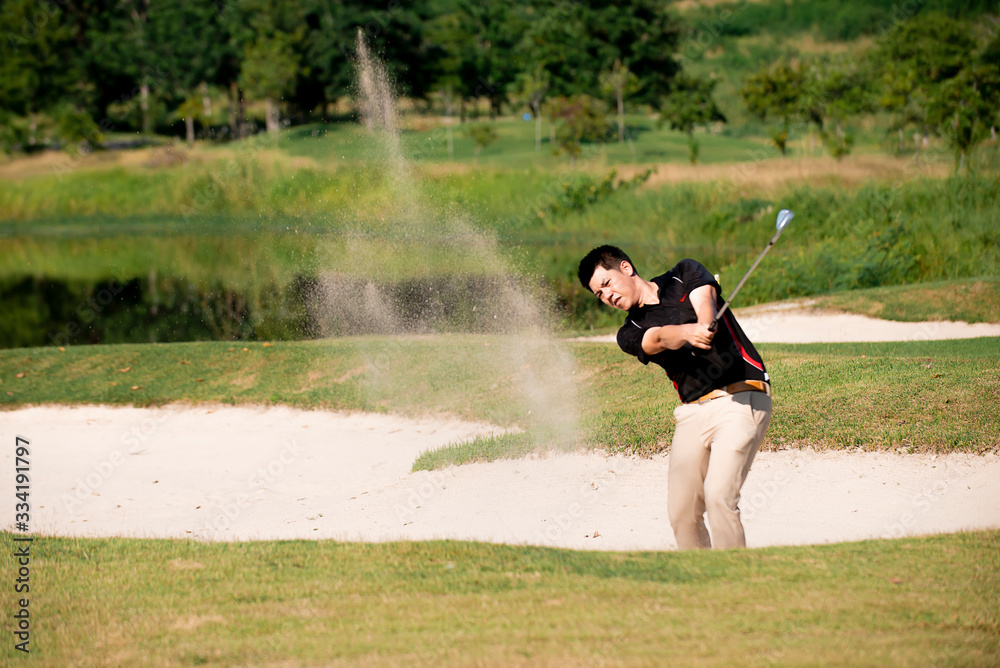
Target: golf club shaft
x,y
715,323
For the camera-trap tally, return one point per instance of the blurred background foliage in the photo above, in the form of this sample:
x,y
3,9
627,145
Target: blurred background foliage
x,y
206,158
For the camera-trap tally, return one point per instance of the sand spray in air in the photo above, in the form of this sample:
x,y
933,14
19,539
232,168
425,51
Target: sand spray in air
x,y
409,273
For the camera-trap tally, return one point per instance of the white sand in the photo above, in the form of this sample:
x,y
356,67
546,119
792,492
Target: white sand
x,y
223,473
794,322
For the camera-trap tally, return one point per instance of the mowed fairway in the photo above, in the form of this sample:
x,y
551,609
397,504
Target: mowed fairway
x,y
929,601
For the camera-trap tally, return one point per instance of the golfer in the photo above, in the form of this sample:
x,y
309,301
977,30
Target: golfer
x,y
723,385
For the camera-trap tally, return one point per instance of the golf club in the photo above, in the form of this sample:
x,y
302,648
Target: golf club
x,y
784,217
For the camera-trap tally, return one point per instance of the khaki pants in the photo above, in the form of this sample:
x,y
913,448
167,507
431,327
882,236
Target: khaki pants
x,y
710,456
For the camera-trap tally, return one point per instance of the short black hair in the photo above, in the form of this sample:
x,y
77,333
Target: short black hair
x,y
609,257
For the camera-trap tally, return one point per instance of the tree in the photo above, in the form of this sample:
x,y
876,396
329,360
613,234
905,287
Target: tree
x,y
916,59
775,91
530,88
575,41
191,110
192,50
934,46
448,99
483,134
445,31
268,73
121,44
963,106
833,91
965,109
487,37
269,35
153,54
988,78
689,105
76,129
396,31
328,46
905,102
620,82
38,67
581,118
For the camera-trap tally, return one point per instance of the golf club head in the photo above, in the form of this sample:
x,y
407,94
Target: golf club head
x,y
784,217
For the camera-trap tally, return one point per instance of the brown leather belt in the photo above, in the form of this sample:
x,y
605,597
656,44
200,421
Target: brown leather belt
x,y
742,386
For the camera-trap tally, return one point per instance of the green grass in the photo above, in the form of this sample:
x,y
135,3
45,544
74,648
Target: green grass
x,y
245,180
348,175
969,300
446,375
118,601
938,396
515,145
919,396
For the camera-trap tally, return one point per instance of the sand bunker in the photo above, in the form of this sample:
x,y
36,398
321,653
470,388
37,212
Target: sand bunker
x,y
224,473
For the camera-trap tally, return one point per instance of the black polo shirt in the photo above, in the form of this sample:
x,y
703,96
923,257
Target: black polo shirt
x,y
732,357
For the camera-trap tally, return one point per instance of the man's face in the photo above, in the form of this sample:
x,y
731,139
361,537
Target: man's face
x,y
614,287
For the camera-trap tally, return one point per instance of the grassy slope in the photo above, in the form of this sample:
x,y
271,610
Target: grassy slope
x,y
971,300
965,300
923,396
129,601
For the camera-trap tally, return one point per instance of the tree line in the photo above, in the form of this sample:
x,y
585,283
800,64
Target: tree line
x,y
929,74
70,68
74,71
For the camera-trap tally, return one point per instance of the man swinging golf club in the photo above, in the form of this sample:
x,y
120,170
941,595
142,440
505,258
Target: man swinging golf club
x,y
675,321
